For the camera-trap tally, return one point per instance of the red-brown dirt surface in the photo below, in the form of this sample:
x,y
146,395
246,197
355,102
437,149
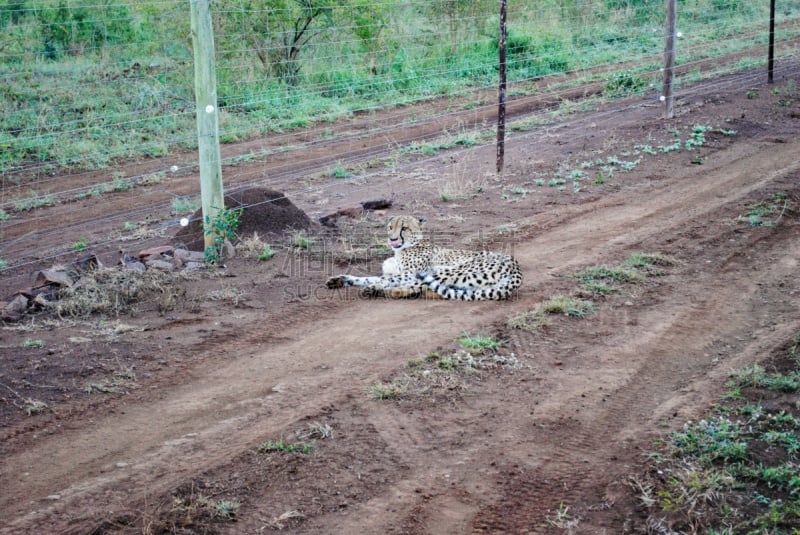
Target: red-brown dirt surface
x,y
562,415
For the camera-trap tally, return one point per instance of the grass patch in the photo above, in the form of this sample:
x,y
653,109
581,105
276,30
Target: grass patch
x,y
557,305
30,343
757,377
393,390
304,448
614,274
736,470
113,291
766,213
185,205
196,510
479,343
121,380
301,240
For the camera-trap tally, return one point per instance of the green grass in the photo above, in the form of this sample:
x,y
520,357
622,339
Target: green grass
x,y
392,390
757,377
303,241
557,305
736,469
304,448
568,306
266,253
768,212
338,171
478,342
89,107
185,205
614,274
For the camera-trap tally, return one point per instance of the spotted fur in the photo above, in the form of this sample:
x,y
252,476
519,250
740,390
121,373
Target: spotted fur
x,y
418,267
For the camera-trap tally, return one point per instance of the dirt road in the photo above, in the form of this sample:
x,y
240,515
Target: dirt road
x,y
498,451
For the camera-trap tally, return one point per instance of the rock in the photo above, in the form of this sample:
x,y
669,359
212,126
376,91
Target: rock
x,y
194,266
156,252
133,265
46,277
161,265
18,305
189,256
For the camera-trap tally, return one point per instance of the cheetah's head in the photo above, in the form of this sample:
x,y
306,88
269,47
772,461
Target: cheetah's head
x,y
404,231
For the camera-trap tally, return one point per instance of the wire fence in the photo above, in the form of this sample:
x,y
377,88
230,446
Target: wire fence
x,y
97,96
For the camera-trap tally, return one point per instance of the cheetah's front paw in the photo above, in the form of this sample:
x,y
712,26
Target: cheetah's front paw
x,y
336,282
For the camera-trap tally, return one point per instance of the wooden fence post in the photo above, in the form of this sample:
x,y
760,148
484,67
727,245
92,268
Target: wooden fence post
x,y
501,111
669,60
205,88
771,53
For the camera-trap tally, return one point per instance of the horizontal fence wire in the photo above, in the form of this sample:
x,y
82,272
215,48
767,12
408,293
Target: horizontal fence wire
x,y
97,97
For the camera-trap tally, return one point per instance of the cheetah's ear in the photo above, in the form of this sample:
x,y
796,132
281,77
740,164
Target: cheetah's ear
x,y
422,219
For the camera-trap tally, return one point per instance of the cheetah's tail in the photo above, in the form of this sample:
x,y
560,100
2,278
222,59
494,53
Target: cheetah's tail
x,y
502,290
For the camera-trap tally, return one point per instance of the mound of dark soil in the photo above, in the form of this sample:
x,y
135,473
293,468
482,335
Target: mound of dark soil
x,y
267,212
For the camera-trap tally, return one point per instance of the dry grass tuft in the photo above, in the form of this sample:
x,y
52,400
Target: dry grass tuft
x,y
113,291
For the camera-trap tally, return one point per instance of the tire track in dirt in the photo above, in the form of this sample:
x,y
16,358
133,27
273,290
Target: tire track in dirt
x,y
223,410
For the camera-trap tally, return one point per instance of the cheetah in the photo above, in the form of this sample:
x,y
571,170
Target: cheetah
x,y
420,268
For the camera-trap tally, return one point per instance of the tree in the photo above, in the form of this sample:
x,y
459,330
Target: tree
x,y
279,30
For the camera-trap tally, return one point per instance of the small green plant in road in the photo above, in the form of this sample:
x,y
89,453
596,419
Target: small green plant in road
x,y
760,214
271,445
562,519
651,263
227,508
223,228
33,407
303,241
32,344
751,94
266,253
387,390
3,264
557,305
80,245
4,216
568,306
339,171
478,342
697,137
616,274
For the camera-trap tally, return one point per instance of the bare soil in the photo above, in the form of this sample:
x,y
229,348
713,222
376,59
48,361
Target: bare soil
x,y
561,415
